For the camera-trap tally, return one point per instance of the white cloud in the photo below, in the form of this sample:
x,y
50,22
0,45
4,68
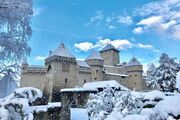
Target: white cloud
x,y
162,17
145,46
111,27
125,20
40,58
99,16
151,20
36,11
85,46
121,44
138,30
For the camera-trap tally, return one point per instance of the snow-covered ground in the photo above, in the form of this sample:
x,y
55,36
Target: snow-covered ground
x,y
79,114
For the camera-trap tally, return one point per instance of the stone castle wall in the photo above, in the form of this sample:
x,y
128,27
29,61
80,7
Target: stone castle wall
x,y
33,78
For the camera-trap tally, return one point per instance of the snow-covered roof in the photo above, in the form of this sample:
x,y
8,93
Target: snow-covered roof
x,y
102,84
151,67
94,55
62,51
81,89
115,74
82,63
108,47
133,62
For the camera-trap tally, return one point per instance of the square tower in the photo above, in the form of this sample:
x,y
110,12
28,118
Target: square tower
x,y
110,55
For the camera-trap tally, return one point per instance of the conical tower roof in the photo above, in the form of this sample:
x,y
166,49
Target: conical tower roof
x,y
133,62
62,51
94,55
108,47
151,68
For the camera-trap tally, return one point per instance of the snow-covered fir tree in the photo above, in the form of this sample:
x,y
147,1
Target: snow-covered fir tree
x,y
164,76
15,31
16,106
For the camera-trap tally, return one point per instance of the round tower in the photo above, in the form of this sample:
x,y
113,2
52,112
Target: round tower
x,y
110,55
96,62
61,70
134,70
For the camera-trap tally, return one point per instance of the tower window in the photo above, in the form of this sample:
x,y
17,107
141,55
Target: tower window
x,y
97,71
95,78
66,80
49,68
135,75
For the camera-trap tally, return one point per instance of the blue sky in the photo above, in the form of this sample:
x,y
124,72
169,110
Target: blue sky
x,y
145,28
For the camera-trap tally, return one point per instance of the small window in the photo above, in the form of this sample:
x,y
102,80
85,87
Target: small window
x,y
97,71
66,80
135,75
135,83
95,78
122,76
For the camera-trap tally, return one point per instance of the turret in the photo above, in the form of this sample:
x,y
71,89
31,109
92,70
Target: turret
x,y
134,70
61,70
24,64
96,62
151,69
110,55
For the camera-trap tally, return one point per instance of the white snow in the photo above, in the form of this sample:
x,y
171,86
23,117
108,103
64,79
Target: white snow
x,y
78,89
178,80
62,51
133,62
116,74
79,114
94,55
155,94
102,84
44,108
170,105
82,63
108,47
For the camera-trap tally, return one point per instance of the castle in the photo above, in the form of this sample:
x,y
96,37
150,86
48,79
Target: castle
x,y
63,70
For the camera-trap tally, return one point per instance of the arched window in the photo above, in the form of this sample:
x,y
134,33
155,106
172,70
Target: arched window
x,y
49,68
66,80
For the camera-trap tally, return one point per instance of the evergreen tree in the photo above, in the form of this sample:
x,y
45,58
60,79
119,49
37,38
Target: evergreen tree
x,y
164,76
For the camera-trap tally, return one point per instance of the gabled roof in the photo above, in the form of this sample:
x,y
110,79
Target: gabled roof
x,y
133,62
82,63
151,67
62,51
108,47
94,55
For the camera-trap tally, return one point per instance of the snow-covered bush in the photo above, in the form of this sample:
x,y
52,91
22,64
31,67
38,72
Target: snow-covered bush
x,y
102,104
129,103
16,105
164,76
